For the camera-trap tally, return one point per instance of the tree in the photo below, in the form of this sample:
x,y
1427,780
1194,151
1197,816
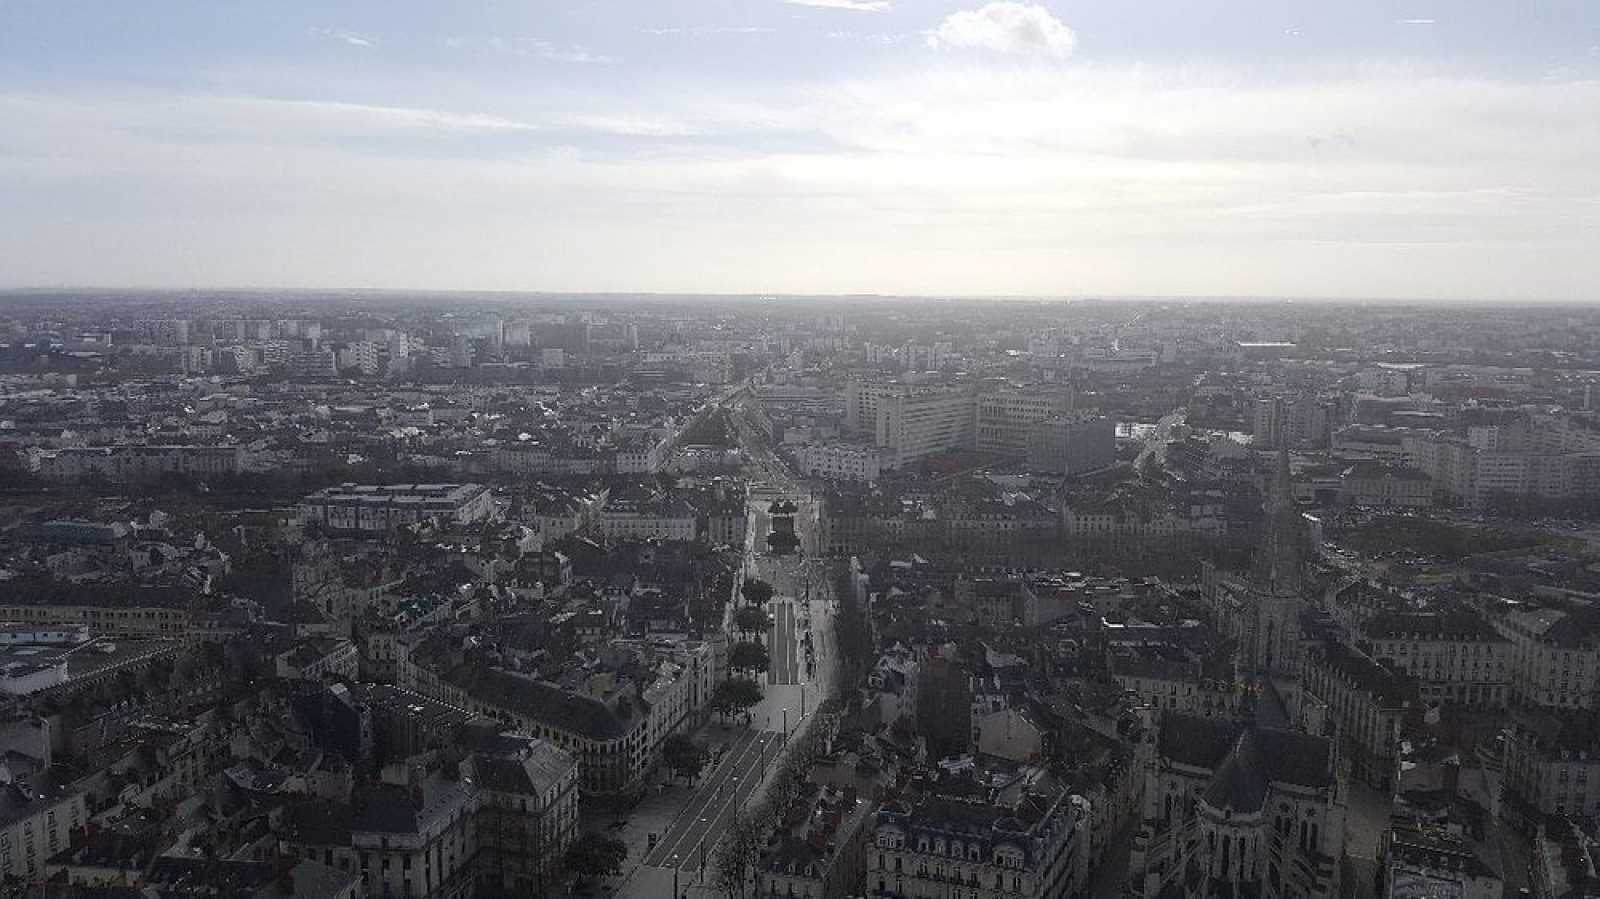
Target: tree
x,y
596,855
752,620
756,592
736,694
683,756
748,656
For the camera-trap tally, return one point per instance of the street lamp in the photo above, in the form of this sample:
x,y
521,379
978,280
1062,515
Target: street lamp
x,y
785,723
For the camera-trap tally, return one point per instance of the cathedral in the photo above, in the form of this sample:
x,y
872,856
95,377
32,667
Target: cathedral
x,y
1233,809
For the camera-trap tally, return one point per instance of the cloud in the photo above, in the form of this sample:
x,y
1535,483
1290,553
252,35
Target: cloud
x,y
1418,21
349,38
1006,27
971,178
853,5
533,48
698,30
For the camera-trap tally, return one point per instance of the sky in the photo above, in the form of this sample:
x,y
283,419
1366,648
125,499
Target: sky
x,y
1305,148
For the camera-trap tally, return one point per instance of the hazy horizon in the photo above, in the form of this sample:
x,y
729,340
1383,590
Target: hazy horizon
x,y
1412,151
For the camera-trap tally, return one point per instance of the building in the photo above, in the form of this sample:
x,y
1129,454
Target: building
x,y
656,518
1028,840
1555,654
526,817
38,814
1071,445
108,621
1302,421
1456,657
823,854
1234,809
1552,761
916,424
841,461
1428,862
1565,861
1006,417
1371,485
1544,456
1177,687
319,658
139,464
606,729
1367,702
377,510
500,822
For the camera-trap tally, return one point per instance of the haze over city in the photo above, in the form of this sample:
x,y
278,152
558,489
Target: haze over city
x,y
1365,149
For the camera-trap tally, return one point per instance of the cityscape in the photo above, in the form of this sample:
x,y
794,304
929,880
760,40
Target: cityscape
x,y
361,594
799,449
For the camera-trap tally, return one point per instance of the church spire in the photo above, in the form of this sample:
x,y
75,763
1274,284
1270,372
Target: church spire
x,y
1277,561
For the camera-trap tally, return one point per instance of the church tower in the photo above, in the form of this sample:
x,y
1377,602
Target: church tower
x,y
1275,582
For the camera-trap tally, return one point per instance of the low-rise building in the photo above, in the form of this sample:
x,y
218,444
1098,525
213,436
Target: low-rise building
x,y
841,461
318,658
1424,863
374,510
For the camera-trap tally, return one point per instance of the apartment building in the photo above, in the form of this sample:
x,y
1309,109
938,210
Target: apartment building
x,y
1370,485
1456,657
655,519
110,621
842,461
1552,760
1177,687
1304,421
373,510
1006,417
606,727
1367,702
502,821
139,464
40,813
1071,445
1029,842
1430,861
1554,656
915,425
1547,456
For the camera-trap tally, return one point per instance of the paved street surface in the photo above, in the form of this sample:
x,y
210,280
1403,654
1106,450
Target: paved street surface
x,y
715,802
784,646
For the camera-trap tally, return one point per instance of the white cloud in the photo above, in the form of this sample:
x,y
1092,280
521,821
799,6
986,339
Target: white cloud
x,y
533,47
955,178
1418,21
1006,27
853,5
698,30
345,37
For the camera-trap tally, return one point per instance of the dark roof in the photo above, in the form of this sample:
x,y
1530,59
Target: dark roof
x,y
1197,741
1459,625
1245,757
553,706
1240,784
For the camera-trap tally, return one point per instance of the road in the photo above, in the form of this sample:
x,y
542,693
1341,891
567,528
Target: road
x,y
784,667
715,803
793,689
